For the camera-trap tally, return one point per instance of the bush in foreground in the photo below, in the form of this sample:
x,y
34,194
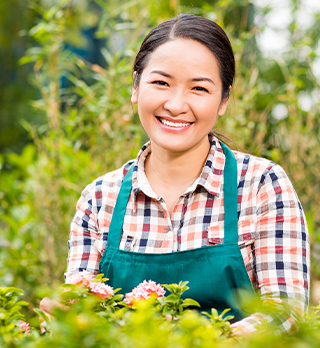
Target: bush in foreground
x,y
95,315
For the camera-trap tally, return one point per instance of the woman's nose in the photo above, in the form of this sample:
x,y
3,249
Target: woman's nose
x,y
176,104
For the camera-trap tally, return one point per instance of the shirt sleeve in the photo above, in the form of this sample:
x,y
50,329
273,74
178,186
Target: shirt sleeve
x,y
281,255
84,235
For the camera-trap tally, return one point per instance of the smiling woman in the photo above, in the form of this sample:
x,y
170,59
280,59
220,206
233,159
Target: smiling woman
x,y
188,208
179,98
179,95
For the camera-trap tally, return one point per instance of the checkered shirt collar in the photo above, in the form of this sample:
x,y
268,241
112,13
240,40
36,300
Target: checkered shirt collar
x,y
211,177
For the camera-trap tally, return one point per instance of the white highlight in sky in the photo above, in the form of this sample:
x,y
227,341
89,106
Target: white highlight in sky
x,y
275,38
280,112
305,101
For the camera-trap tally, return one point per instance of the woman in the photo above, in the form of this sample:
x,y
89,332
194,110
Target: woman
x,y
189,208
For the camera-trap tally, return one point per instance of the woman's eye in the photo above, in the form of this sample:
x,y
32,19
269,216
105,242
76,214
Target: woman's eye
x,y
159,82
199,88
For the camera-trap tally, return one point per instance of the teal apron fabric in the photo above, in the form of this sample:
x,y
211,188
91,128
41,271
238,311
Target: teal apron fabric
x,y
214,272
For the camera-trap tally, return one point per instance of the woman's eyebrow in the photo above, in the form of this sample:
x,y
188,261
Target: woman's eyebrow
x,y
197,79
161,73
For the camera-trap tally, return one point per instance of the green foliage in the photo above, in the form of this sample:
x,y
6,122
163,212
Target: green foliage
x,y
90,126
10,314
219,321
173,304
15,88
86,320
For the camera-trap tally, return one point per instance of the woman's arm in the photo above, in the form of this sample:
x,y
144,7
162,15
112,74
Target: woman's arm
x,y
281,255
83,255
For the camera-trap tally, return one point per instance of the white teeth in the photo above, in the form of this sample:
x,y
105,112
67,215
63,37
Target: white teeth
x,y
173,124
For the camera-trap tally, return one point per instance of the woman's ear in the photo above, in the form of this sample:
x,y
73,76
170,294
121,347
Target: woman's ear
x,y
224,104
134,96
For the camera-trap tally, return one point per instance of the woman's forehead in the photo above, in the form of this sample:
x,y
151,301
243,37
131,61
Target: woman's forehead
x,y
182,55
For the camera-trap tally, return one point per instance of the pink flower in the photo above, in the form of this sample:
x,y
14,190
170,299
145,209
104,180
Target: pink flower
x,y
87,279
144,291
75,279
83,278
129,299
101,290
24,326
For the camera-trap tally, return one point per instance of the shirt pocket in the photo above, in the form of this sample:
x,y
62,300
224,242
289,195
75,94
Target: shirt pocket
x,y
246,248
215,234
128,241
101,243
247,228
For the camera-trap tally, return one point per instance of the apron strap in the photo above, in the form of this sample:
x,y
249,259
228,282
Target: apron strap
x,y
119,211
230,203
230,197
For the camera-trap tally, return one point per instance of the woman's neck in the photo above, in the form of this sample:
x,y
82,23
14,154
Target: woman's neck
x,y
165,169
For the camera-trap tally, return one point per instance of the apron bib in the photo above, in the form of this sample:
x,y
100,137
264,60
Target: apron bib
x,y
214,272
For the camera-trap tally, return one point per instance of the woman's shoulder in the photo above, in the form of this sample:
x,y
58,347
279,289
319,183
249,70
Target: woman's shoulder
x,y
249,160
258,168
246,161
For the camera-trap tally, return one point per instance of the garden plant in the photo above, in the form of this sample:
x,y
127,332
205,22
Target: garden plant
x,y
78,123
92,314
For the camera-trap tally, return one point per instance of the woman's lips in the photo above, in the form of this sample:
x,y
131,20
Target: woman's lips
x,y
174,123
177,126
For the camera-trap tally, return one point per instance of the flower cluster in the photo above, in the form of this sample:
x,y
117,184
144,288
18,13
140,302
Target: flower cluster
x,y
83,278
24,326
86,279
144,290
101,290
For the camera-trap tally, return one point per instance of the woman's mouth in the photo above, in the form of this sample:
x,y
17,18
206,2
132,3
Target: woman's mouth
x,y
173,124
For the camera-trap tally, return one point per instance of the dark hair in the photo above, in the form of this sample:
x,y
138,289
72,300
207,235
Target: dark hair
x,y
196,28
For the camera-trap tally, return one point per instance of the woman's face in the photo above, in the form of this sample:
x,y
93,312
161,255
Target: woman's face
x,y
179,96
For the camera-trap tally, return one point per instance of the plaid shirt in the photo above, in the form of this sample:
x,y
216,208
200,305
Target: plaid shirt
x,y
273,235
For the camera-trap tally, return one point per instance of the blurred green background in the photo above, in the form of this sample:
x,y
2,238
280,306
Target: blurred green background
x,y
66,116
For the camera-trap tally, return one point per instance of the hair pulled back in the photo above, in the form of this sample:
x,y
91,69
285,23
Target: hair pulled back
x,y
193,27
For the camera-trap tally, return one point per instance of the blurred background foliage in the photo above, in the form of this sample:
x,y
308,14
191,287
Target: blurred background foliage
x,y
66,116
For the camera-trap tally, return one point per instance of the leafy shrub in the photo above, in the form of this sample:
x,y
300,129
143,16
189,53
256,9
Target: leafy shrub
x,y
91,127
96,319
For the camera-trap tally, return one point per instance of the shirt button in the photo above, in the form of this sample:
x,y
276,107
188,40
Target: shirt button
x,y
169,235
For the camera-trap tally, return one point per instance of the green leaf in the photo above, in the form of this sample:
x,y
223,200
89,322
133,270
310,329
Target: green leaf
x,y
171,298
26,59
225,311
22,303
190,302
42,314
118,297
11,291
168,311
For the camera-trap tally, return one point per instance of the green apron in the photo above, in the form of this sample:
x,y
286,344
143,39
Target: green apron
x,y
214,272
